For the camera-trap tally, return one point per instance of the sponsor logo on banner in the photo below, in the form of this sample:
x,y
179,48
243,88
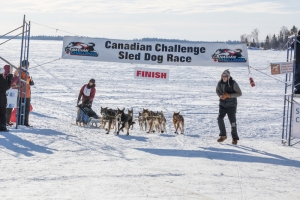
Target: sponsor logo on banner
x,y
81,49
228,55
281,68
296,118
151,73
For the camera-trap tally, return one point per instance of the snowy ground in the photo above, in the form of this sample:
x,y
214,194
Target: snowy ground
x,y
57,160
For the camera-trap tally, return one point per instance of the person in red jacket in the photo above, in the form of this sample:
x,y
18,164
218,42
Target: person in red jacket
x,y
87,92
14,83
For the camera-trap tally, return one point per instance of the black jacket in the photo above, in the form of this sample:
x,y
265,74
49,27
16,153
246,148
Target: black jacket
x,y
297,49
231,87
4,84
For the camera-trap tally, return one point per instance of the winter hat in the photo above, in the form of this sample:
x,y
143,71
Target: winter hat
x,y
1,70
25,63
6,69
92,81
226,72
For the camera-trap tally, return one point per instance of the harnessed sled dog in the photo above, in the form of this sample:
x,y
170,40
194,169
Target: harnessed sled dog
x,y
153,119
162,121
125,120
109,116
130,112
178,122
142,122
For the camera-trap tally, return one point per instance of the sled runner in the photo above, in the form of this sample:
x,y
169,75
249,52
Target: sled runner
x,y
86,116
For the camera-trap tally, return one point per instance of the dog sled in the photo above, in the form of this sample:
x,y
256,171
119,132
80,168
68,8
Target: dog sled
x,y
86,116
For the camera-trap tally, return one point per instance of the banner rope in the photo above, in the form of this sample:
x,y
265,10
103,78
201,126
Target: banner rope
x,y
38,65
56,29
11,31
267,75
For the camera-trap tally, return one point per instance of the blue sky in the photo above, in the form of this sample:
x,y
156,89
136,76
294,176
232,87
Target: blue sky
x,y
127,19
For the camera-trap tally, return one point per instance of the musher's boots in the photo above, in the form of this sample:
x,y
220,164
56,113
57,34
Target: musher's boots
x,y
234,142
222,138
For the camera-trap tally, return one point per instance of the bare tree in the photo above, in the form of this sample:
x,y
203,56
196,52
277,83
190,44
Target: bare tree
x,y
284,31
254,35
243,38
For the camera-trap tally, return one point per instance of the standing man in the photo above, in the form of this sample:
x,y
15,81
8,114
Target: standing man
x,y
228,90
87,93
4,86
297,70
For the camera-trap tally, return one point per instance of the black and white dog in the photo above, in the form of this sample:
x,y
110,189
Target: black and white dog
x,y
126,120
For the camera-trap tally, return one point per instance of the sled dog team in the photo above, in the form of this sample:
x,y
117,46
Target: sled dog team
x,y
117,118
148,120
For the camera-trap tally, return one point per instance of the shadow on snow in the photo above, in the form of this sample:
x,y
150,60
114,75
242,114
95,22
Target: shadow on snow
x,y
21,146
240,154
41,115
131,137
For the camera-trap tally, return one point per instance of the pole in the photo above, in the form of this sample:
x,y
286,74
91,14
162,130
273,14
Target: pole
x,y
19,82
293,85
285,90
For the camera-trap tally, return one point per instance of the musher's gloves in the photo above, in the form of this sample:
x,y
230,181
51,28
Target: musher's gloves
x,y
31,81
225,96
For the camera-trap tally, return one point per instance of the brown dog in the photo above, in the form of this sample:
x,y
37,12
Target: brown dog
x,y
178,122
152,120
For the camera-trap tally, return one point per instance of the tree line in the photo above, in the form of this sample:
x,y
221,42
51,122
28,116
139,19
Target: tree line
x,y
187,41
272,41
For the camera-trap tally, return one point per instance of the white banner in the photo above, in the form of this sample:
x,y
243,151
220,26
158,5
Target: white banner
x,y
151,73
158,53
296,118
12,98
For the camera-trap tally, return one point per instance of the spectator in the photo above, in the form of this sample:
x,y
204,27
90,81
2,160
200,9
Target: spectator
x,y
8,110
25,98
4,86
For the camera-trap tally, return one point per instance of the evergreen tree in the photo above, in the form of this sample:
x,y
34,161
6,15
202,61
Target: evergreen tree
x,y
274,42
267,43
294,30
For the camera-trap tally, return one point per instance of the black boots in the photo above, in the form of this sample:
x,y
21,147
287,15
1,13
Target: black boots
x,y
3,128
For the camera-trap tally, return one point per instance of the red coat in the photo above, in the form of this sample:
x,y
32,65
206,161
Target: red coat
x,y
84,97
15,79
